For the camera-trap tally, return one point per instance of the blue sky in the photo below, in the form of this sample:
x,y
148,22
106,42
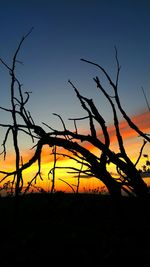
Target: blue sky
x,y
65,31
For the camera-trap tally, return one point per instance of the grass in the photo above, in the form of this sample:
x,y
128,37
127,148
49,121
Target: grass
x,y
84,229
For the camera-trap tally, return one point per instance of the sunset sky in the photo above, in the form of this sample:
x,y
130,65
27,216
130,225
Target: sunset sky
x,y
64,32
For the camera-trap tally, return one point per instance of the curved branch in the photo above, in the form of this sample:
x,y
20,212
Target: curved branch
x,y
114,86
67,184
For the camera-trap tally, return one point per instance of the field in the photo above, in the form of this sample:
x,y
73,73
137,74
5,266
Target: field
x,y
70,229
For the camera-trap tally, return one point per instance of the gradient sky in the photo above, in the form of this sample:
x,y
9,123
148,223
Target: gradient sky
x,y
65,31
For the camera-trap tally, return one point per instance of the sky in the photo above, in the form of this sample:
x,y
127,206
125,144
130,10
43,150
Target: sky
x,y
64,32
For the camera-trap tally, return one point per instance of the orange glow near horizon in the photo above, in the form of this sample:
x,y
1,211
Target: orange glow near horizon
x,y
63,179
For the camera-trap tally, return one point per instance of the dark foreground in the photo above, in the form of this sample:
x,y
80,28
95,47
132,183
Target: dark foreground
x,y
74,230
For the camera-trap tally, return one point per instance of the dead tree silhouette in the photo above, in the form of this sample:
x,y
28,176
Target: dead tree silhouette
x,y
129,180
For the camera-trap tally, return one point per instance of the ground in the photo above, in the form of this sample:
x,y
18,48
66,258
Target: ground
x,y
84,229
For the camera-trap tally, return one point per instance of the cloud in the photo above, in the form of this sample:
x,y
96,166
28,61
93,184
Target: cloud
x,y
141,120
131,140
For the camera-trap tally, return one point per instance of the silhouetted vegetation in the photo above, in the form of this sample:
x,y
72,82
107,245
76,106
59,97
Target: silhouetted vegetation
x,y
90,165
89,229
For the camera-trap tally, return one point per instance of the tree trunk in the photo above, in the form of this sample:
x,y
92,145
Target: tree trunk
x,y
114,187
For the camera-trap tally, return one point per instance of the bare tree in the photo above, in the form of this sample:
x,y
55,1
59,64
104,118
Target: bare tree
x,y
129,180
14,127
